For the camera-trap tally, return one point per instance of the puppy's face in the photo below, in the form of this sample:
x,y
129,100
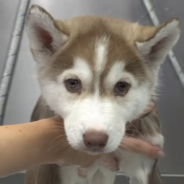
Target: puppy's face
x,y
97,73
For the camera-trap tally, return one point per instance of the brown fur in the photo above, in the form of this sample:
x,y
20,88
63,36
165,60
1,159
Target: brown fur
x,y
82,42
122,34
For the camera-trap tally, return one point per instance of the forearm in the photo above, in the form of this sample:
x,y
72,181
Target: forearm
x,y
25,145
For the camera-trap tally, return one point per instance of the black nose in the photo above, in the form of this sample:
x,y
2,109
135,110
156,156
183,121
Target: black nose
x,y
95,139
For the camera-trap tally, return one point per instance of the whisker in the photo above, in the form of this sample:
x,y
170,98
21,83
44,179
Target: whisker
x,y
131,123
56,128
134,131
59,146
55,140
129,129
60,140
58,143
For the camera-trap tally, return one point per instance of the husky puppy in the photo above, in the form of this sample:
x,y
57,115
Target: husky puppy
x,y
99,73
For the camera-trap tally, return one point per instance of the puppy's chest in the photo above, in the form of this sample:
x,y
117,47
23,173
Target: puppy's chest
x,y
132,164
97,174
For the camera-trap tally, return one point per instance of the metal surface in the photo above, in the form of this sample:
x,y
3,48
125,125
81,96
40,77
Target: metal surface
x,y
167,9
19,179
12,56
25,91
14,179
7,17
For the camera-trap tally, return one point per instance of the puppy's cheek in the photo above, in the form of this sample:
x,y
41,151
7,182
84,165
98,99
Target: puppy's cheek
x,y
74,132
116,133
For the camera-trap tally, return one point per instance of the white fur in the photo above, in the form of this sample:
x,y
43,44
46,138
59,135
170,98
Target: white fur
x,y
118,73
157,140
81,70
101,51
100,60
96,175
93,112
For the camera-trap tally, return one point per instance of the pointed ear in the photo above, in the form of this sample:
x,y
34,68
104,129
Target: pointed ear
x,y
156,47
45,36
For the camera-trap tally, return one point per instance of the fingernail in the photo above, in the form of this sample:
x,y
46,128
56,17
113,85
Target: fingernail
x,y
160,154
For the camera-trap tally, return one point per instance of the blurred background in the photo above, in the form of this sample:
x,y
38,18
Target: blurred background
x,y
24,89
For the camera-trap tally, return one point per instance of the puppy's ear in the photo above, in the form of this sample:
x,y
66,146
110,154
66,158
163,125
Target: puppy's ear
x,y
155,47
45,36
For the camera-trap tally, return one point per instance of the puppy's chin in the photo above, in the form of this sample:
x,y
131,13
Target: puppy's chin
x,y
96,152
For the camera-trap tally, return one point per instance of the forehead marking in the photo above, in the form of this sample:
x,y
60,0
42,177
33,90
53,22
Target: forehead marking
x,y
115,72
101,51
101,54
118,73
81,69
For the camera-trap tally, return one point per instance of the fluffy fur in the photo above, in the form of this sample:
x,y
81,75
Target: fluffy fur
x,y
100,52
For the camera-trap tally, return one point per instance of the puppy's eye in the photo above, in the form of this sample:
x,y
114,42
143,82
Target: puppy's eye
x,y
73,85
121,88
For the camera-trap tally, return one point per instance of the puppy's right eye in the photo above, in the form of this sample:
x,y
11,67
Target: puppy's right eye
x,y
121,88
73,85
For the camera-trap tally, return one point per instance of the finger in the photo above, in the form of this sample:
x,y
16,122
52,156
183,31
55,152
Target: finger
x,y
109,162
148,109
141,147
58,118
82,172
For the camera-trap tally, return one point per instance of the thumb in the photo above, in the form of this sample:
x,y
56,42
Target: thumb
x,y
141,147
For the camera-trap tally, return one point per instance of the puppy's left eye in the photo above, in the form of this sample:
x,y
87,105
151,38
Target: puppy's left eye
x,y
121,88
73,85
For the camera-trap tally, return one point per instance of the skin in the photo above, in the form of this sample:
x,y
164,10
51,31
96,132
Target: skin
x,y
25,145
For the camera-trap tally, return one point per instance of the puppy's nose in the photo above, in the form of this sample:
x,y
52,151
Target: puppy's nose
x,y
95,140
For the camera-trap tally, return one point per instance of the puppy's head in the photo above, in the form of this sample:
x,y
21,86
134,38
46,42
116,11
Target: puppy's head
x,y
97,73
